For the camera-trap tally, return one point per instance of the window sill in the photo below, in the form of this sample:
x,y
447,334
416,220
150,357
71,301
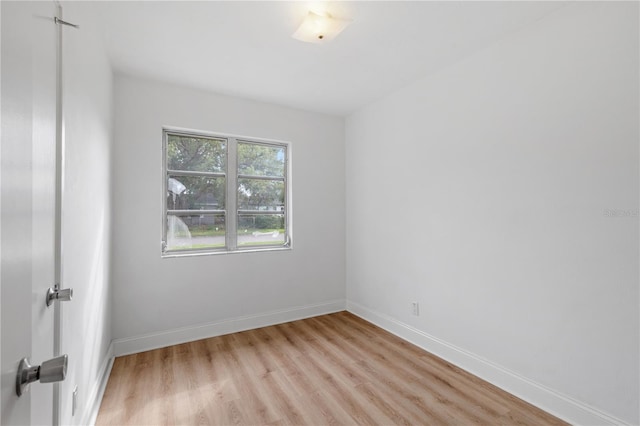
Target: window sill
x,y
187,253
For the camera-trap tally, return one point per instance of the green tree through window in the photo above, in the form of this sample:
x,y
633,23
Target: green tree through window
x,y
200,173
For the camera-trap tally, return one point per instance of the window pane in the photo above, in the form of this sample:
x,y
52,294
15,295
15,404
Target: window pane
x,y
196,154
260,230
195,232
260,160
256,194
195,193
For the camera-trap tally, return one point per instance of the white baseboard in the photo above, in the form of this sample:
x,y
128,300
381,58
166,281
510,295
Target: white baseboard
x,y
97,392
189,334
553,402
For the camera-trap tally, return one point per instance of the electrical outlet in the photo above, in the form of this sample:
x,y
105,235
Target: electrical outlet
x,y
415,308
74,401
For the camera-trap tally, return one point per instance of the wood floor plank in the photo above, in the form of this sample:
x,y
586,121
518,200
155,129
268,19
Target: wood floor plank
x,y
342,393
476,406
411,375
330,370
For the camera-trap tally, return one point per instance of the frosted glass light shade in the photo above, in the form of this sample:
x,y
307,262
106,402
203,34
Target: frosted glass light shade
x,y
319,28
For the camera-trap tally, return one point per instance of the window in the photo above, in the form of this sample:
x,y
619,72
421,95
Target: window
x,y
224,194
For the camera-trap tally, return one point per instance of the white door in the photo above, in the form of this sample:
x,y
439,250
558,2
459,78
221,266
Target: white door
x,y
27,203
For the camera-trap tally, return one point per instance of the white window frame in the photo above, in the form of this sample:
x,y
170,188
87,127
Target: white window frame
x,y
231,211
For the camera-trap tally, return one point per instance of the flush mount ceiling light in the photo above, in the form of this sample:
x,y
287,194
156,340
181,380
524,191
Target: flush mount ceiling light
x,y
320,27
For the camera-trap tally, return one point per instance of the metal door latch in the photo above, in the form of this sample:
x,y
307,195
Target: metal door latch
x,y
56,293
53,370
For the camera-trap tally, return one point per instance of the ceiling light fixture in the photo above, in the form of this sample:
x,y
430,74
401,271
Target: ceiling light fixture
x,y
319,28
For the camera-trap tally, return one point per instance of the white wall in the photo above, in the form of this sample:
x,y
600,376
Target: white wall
x,y
482,191
87,104
155,295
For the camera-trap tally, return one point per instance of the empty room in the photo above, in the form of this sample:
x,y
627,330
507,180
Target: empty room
x,y
314,213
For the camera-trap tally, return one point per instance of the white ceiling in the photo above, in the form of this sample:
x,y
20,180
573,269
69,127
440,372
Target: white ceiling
x,y
245,49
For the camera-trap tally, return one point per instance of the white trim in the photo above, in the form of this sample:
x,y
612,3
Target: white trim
x,y
176,336
556,403
94,401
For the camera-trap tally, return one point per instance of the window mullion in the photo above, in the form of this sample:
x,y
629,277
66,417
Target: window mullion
x,y
232,194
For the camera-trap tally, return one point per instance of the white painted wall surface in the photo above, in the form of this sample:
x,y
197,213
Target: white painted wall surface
x,y
86,229
152,294
482,192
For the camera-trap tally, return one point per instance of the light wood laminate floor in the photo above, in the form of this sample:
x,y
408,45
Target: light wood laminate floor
x,y
330,370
